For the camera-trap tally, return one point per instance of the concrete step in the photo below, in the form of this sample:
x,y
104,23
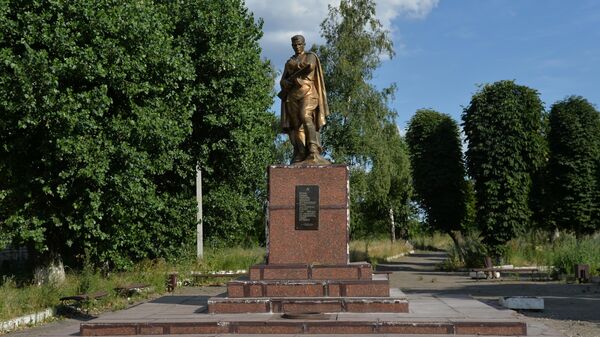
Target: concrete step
x,y
377,287
350,271
397,302
280,326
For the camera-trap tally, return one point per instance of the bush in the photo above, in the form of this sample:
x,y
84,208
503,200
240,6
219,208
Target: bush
x,y
469,254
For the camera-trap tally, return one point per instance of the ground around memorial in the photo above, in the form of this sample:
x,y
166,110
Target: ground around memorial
x,y
570,309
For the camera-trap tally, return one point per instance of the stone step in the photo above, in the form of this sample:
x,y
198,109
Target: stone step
x,y
281,326
377,287
351,271
397,303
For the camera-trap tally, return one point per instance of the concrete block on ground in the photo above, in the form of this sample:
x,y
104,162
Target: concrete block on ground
x,y
522,303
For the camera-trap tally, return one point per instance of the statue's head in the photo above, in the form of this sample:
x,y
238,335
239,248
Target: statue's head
x,y
298,44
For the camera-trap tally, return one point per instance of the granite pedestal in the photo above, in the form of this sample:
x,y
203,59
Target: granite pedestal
x,y
308,268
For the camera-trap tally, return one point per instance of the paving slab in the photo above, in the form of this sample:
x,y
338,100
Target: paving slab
x,y
424,308
459,313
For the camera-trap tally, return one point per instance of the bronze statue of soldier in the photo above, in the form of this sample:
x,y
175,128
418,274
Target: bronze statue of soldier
x,y
303,104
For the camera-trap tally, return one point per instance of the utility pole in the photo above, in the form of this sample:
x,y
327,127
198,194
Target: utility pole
x,y
392,226
199,240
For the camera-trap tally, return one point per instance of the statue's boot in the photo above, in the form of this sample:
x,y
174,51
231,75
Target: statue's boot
x,y
299,147
314,148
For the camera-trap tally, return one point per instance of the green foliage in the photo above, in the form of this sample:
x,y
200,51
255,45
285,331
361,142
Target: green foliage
x,y
469,253
504,129
377,250
563,253
232,138
95,109
574,188
438,169
108,106
530,249
568,251
233,258
21,299
432,240
361,129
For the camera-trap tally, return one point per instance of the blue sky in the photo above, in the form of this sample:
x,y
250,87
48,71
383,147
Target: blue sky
x,y
445,48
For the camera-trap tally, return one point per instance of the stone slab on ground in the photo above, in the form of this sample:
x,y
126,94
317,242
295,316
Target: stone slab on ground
x,y
522,302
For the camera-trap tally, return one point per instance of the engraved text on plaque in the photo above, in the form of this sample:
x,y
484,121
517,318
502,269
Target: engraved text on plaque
x,y
307,207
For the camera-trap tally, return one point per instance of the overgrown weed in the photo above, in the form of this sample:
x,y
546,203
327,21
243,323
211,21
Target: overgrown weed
x,y
17,299
376,251
431,241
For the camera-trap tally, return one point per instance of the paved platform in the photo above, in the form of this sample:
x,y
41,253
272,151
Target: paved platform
x,y
193,307
431,315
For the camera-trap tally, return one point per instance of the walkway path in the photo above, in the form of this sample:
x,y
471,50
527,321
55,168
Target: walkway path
x,y
573,309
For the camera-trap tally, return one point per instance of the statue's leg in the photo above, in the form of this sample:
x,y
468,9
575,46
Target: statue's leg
x,y
296,133
313,143
297,139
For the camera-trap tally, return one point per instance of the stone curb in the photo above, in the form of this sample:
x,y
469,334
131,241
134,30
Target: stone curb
x,y
35,318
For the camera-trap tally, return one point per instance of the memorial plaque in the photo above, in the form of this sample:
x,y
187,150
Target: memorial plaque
x,y
307,207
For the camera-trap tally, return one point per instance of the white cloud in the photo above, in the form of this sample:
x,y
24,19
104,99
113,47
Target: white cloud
x,y
285,18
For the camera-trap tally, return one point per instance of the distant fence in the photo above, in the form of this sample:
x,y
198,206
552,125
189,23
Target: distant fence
x,y
12,257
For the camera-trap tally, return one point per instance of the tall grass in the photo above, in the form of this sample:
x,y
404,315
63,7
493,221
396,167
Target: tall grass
x,y
17,299
375,251
469,254
232,259
562,253
534,248
432,241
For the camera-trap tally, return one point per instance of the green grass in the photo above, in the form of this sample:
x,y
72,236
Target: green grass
x,y
375,251
26,298
432,241
562,254
534,248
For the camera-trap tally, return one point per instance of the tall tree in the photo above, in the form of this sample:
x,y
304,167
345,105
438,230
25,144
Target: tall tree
x,y
94,111
438,170
504,129
233,134
361,128
108,106
574,144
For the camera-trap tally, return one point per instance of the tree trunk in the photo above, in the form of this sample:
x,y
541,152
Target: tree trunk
x,y
51,271
454,236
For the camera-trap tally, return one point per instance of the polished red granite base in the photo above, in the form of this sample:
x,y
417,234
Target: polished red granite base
x,y
397,302
326,245
309,288
306,327
350,271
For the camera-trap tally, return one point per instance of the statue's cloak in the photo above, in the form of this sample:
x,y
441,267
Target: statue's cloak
x,y
322,110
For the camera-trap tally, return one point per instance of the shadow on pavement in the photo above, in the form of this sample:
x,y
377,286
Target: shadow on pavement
x,y
182,300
